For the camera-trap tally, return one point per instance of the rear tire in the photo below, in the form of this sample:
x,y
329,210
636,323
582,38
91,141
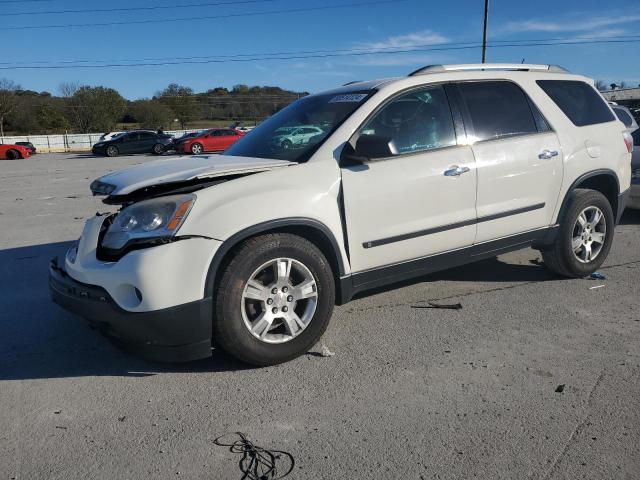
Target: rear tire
x,y
252,272
112,151
585,235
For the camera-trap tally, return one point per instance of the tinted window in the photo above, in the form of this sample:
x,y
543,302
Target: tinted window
x,y
416,121
273,137
497,109
623,116
147,135
578,100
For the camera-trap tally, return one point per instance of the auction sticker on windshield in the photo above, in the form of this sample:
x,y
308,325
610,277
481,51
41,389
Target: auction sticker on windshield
x,y
350,97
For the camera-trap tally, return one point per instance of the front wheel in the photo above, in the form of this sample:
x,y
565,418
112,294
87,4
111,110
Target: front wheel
x,y
112,151
274,300
158,149
13,155
196,149
585,235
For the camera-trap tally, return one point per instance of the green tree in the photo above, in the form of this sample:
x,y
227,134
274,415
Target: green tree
x,y
8,100
181,101
93,109
150,113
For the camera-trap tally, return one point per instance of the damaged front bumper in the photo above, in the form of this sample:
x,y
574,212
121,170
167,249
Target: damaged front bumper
x,y
174,334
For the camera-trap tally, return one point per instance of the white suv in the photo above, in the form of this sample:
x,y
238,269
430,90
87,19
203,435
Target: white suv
x,y
250,250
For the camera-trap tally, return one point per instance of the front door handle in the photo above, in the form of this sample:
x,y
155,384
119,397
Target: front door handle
x,y
547,154
455,171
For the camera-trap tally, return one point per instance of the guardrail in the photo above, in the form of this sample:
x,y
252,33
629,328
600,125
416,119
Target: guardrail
x,y
72,142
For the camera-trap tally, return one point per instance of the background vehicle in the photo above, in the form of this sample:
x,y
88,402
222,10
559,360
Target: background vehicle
x,y
29,146
634,200
135,141
295,136
447,166
625,116
14,151
178,142
214,140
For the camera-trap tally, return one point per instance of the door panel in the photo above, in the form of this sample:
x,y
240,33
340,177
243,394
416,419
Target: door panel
x,y
512,178
405,207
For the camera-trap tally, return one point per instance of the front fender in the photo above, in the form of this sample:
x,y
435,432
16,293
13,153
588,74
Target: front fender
x,y
308,192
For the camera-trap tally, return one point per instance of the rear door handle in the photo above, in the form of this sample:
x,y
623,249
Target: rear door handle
x,y
455,171
547,154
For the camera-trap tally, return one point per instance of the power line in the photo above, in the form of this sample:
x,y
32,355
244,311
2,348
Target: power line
x,y
301,52
324,55
132,9
205,17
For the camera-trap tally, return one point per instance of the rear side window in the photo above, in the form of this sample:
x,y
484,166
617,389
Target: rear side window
x,y
578,100
623,116
498,109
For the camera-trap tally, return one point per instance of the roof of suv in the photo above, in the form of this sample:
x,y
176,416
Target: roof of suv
x,y
459,72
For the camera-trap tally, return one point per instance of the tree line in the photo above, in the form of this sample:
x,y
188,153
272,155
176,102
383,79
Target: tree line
x,y
82,108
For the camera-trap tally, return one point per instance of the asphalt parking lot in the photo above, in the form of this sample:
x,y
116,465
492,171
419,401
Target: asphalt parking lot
x,y
412,392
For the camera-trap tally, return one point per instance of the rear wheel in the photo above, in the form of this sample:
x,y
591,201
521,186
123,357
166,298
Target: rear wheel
x,y
585,236
286,145
274,300
196,149
112,151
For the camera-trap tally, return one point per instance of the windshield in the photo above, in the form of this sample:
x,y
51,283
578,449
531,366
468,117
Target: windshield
x,y
298,130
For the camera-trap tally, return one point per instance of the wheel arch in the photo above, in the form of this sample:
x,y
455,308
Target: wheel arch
x,y
604,181
314,231
15,154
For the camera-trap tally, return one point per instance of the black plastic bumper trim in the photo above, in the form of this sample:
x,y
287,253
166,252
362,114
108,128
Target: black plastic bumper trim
x,y
175,334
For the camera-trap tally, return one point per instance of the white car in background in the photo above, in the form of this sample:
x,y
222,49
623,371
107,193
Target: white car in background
x,y
249,251
295,136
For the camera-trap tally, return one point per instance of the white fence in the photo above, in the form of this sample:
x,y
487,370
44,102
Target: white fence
x,y
73,142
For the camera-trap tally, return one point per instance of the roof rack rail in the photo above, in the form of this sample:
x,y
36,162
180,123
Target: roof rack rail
x,y
351,83
524,67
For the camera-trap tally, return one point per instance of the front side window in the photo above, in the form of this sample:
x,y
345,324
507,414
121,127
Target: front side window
x,y
415,121
578,100
280,136
497,109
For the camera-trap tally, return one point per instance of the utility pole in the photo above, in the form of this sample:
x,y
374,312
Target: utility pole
x,y
484,31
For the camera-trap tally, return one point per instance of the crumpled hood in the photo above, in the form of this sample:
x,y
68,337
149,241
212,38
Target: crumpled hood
x,y
177,169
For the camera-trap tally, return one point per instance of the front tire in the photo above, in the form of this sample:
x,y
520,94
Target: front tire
x,y
13,155
196,149
585,235
158,149
112,151
274,300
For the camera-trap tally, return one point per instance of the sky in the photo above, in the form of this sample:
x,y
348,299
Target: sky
x,y
241,29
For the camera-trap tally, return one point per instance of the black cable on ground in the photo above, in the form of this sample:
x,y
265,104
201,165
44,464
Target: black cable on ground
x,y
257,463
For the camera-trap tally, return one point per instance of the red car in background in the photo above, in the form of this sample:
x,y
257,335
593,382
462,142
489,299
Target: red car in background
x,y
13,152
214,140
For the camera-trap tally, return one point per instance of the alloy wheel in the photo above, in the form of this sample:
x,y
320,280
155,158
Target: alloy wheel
x,y
279,300
589,233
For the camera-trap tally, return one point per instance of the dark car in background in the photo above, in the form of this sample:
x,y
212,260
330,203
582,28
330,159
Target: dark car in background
x,y
634,199
29,146
135,141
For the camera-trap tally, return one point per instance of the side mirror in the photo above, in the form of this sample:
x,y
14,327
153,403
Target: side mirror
x,y
367,148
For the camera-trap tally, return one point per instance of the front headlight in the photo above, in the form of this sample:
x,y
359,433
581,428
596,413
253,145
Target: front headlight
x,y
156,218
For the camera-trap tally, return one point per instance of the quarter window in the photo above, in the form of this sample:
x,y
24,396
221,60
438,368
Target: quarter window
x,y
578,100
416,121
497,109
